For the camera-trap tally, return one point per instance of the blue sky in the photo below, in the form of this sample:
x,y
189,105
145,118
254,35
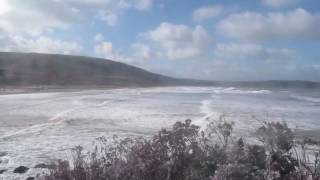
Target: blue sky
x,y
203,39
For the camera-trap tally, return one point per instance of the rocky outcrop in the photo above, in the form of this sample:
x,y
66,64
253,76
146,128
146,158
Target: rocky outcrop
x,y
21,169
2,171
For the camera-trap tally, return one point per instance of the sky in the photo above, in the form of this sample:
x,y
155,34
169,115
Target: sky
x,y
203,39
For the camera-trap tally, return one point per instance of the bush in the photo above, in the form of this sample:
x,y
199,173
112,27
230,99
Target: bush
x,y
186,153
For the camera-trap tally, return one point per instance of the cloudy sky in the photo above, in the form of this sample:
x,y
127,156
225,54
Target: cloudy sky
x,y
204,39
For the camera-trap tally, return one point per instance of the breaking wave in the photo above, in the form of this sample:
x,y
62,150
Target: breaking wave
x,y
305,98
233,90
207,110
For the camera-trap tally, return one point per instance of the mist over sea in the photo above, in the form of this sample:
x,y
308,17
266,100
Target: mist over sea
x,y
40,127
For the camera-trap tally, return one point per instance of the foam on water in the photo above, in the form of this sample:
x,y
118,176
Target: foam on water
x,y
233,90
39,127
304,98
208,111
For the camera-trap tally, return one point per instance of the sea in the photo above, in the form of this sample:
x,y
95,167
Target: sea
x,y
43,127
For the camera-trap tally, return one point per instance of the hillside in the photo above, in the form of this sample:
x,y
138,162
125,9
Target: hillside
x,y
25,69
32,69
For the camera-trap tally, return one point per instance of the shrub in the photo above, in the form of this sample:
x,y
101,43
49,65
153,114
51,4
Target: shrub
x,y
187,153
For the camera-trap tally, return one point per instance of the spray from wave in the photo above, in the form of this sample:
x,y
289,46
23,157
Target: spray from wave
x,y
208,113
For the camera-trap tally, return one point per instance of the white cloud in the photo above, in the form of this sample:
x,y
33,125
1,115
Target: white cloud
x,y
251,26
143,4
4,7
245,61
255,52
47,45
121,4
41,44
24,25
36,17
316,66
179,41
105,49
75,10
110,18
98,37
110,11
141,51
279,3
207,12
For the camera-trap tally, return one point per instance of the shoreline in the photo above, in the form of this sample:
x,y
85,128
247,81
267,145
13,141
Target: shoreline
x,y
9,90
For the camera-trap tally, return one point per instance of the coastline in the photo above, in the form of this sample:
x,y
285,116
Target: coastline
x,y
48,89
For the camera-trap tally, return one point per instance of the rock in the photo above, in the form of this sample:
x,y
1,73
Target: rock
x,y
30,178
44,166
2,171
21,169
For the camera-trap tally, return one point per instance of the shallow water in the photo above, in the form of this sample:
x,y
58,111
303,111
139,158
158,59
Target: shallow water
x,y
40,127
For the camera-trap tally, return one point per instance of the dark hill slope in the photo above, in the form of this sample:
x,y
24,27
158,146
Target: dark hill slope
x,y
31,69
49,69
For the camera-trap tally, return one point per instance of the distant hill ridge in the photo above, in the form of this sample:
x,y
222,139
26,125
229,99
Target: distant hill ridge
x,y
52,69
31,69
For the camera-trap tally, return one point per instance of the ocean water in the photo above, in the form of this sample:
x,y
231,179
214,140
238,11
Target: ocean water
x,y
41,127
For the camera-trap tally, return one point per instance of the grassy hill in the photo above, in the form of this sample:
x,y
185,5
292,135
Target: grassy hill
x,y
21,69
32,69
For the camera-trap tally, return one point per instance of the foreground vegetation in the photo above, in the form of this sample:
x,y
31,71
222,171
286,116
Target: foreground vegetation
x,y
187,153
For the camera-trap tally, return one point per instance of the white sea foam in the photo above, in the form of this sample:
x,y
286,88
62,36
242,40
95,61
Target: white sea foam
x,y
208,113
233,90
305,98
206,109
38,127
216,90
